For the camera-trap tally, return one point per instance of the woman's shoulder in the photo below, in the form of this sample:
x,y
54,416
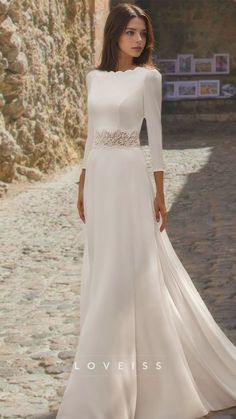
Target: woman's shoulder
x,y
152,72
90,72
152,80
89,77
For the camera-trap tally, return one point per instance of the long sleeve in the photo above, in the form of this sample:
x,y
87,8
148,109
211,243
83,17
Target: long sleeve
x,y
152,114
90,128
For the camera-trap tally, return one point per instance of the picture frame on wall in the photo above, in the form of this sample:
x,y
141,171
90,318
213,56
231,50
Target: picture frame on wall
x,y
221,63
187,89
228,90
208,88
185,63
203,65
169,90
167,66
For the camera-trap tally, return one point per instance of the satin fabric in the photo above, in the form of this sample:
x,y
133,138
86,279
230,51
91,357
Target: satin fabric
x,y
148,347
139,304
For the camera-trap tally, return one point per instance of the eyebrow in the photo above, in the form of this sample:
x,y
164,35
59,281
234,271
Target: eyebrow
x,y
128,27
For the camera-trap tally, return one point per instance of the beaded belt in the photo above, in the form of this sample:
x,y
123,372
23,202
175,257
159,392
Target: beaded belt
x,y
115,138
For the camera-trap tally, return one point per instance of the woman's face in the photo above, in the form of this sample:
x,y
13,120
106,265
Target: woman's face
x,y
132,37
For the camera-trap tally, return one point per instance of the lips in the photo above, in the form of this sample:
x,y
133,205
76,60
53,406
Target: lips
x,y
137,48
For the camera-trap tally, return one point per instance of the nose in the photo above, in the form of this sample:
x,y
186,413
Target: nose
x,y
139,37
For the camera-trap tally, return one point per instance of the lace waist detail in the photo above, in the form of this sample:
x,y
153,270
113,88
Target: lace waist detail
x,y
120,138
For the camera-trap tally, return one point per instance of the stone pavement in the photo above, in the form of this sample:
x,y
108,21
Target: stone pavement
x,y
41,241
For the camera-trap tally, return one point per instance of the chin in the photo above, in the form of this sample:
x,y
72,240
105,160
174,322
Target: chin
x,y
136,53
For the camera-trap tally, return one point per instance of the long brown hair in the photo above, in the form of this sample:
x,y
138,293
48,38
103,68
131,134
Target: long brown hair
x,y
116,23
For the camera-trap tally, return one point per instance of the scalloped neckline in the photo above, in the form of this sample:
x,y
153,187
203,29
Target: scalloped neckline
x,y
121,71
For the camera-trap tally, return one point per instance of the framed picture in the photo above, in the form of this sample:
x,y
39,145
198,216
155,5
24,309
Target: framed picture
x,y
228,90
167,66
208,88
203,65
187,89
185,63
169,90
221,63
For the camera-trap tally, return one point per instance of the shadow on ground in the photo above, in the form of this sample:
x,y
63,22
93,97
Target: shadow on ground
x,y
205,211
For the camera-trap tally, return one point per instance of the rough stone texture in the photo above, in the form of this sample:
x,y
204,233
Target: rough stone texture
x,y
99,10
41,241
45,52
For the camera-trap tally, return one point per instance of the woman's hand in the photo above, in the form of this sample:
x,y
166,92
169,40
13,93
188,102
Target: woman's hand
x,y
80,201
159,202
159,205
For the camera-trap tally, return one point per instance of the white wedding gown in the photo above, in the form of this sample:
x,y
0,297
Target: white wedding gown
x,y
148,347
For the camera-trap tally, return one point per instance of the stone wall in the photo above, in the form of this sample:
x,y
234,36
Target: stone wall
x,y
45,51
201,27
101,11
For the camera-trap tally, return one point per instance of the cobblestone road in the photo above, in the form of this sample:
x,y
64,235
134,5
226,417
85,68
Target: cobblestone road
x,y
41,252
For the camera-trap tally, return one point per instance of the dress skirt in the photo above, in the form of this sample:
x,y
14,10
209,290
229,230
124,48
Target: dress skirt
x,y
148,347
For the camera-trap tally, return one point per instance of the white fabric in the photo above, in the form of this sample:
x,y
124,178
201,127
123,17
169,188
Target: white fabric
x,y
136,94
138,303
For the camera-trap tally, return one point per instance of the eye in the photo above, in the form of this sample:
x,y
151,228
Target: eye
x,y
143,34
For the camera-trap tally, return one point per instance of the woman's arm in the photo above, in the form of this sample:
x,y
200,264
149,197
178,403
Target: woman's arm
x,y
88,146
152,114
159,202
80,200
90,127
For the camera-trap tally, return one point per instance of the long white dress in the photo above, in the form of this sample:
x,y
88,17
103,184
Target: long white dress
x,y
148,347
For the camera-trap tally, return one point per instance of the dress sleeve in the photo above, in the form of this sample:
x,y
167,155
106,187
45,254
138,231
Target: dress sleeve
x,y
152,114
90,128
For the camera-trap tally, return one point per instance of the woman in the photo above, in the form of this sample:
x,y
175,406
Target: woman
x,y
148,348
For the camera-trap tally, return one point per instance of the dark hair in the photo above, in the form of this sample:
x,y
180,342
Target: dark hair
x,y
116,23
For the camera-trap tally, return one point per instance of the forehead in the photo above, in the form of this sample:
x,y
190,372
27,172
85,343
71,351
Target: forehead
x,y
136,23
